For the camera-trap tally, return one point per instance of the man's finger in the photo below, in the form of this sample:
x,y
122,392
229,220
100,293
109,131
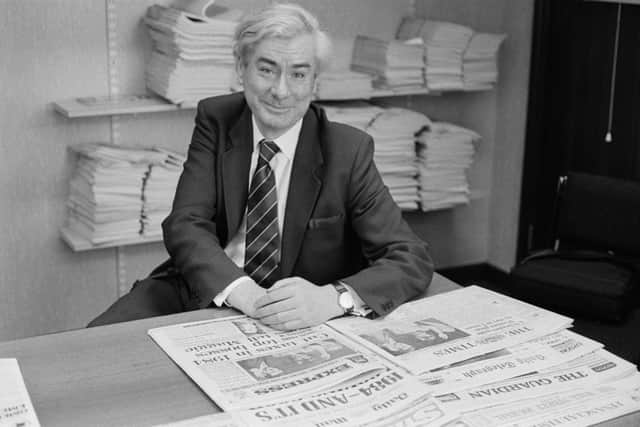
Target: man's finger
x,y
273,308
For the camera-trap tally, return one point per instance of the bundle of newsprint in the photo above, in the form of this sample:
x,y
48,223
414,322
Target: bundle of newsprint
x,y
469,357
192,50
119,192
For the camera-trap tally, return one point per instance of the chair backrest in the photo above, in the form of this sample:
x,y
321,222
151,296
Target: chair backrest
x,y
599,212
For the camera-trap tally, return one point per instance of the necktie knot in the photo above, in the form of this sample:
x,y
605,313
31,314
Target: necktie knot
x,y
268,149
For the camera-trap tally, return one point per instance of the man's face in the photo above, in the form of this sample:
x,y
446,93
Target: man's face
x,y
278,79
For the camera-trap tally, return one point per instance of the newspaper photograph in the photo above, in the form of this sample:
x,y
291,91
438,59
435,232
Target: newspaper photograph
x,y
447,328
530,357
238,362
590,370
516,413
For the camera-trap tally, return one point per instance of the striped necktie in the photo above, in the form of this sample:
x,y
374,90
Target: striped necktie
x,y
262,245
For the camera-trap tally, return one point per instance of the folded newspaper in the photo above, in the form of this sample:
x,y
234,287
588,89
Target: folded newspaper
x,y
450,358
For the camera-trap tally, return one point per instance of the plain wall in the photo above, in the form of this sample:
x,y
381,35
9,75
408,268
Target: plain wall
x,y
57,49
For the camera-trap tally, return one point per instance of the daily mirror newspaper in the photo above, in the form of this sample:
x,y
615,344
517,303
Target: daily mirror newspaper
x,y
447,328
239,362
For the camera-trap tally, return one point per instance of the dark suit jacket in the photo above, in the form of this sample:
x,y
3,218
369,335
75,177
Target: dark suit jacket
x,y
340,221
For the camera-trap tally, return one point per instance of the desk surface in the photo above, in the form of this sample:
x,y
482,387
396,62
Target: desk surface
x,y
116,375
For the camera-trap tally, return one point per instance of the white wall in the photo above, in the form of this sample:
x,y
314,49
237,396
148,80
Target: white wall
x,y
57,49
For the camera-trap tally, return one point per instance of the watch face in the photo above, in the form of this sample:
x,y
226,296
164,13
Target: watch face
x,y
346,301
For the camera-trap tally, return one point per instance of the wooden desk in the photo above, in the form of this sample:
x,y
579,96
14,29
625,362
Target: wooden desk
x,y
116,375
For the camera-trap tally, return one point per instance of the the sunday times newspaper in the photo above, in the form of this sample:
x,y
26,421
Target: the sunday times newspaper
x,y
451,327
239,362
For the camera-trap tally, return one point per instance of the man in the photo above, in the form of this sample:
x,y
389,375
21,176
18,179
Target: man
x,y
280,213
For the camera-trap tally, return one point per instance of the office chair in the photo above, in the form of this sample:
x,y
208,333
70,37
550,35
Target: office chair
x,y
593,267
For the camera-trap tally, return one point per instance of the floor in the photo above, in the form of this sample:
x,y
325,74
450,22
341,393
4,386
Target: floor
x,y
622,339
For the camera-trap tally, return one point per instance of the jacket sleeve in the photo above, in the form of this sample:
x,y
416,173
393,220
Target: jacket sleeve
x,y
190,232
399,265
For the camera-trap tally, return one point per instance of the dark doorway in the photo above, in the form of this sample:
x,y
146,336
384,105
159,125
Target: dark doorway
x,y
575,97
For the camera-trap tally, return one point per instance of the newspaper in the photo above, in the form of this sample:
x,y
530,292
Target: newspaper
x,y
533,356
16,408
382,398
587,371
585,406
240,363
447,328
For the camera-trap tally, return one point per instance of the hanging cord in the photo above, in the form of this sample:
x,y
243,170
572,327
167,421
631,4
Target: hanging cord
x,y
612,93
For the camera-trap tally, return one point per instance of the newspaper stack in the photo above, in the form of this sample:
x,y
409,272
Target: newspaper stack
x,y
444,44
469,357
393,131
192,54
395,152
344,84
445,151
159,187
394,64
106,195
480,61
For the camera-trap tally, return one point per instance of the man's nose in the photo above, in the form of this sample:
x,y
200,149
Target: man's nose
x,y
280,87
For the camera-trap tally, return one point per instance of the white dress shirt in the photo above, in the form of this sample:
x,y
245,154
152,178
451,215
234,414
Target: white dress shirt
x,y
281,164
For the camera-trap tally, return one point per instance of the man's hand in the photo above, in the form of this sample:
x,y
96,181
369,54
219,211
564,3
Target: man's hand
x,y
294,303
245,296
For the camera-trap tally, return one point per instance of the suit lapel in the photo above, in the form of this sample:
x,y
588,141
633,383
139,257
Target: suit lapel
x,y
235,170
303,191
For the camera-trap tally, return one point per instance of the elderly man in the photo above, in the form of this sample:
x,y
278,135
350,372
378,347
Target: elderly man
x,y
280,213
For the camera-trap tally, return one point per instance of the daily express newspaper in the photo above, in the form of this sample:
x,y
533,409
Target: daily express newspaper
x,y
447,328
16,408
533,356
239,362
389,398
574,407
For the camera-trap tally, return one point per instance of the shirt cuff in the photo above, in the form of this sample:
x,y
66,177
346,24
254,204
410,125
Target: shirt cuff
x,y
359,307
221,298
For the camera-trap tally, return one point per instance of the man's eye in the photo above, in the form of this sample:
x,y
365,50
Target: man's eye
x,y
299,75
265,70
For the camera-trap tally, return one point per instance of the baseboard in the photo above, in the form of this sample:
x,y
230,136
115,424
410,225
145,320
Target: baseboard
x,y
482,273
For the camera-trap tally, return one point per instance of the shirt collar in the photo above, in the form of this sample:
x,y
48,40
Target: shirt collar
x,y
287,141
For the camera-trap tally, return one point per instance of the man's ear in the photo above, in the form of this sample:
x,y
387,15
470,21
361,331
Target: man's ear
x,y
240,69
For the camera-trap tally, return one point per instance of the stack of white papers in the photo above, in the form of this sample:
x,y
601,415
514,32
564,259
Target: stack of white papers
x,y
158,190
393,131
445,152
192,55
444,44
395,64
106,200
344,84
359,114
480,61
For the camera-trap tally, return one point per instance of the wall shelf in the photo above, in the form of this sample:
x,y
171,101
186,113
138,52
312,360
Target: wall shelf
x,y
79,243
147,103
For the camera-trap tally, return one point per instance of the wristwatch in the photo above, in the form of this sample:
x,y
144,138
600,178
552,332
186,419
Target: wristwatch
x,y
345,300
